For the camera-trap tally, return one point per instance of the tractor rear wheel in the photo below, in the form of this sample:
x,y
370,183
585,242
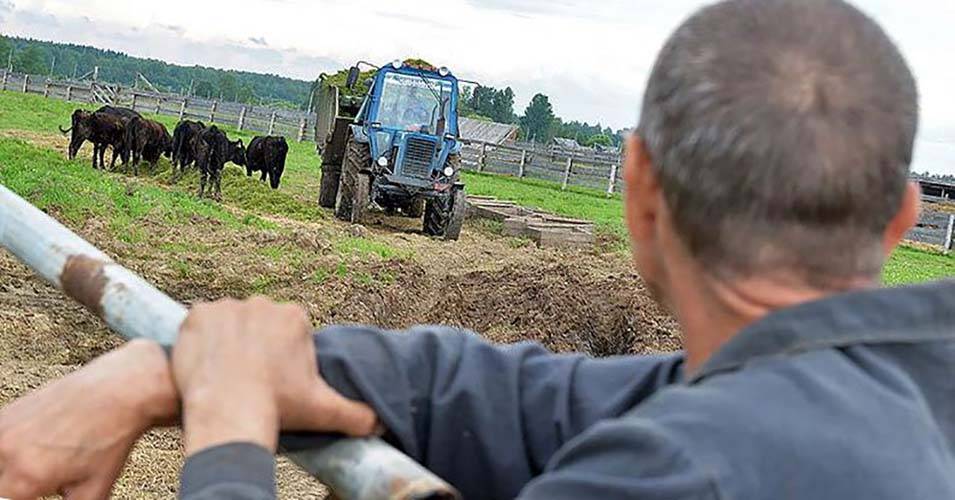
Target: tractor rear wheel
x,y
444,217
354,190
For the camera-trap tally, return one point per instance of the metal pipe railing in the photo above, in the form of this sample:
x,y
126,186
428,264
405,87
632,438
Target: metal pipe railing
x,y
354,469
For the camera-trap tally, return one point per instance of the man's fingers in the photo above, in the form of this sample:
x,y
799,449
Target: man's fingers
x,y
330,411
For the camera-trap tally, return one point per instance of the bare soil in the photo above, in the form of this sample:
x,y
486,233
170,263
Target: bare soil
x,y
505,289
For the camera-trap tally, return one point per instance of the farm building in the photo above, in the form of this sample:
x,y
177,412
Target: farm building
x,y
489,132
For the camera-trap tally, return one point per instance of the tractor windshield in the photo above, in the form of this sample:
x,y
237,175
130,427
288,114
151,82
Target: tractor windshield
x,y
413,102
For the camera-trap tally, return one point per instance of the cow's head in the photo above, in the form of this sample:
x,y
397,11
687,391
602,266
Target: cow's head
x,y
275,175
237,152
166,145
81,129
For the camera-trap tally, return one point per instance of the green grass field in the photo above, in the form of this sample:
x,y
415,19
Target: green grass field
x,y
74,191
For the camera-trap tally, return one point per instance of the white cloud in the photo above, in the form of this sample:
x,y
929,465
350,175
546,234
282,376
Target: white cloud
x,y
592,57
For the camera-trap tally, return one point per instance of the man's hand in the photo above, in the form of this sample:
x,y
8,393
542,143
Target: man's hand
x,y
73,436
247,369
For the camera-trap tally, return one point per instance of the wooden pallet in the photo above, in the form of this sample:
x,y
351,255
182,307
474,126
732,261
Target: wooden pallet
x,y
545,229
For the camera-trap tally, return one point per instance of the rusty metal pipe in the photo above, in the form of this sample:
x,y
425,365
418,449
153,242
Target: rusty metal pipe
x,y
355,469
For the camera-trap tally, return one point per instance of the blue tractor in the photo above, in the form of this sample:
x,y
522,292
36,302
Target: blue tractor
x,y
397,148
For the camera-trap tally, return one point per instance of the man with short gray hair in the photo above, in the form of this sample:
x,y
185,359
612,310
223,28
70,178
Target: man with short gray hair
x,y
766,185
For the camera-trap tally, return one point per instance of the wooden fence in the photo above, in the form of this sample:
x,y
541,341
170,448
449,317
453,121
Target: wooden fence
x,y
589,169
295,124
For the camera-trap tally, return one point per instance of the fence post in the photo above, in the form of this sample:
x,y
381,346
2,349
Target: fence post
x,y
134,100
212,114
46,89
272,124
950,234
26,83
242,118
4,87
483,159
613,180
520,171
570,165
182,108
302,127
69,92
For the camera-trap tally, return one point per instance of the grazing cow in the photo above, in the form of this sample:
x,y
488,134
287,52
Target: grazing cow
x,y
214,150
267,154
147,140
106,130
81,131
184,141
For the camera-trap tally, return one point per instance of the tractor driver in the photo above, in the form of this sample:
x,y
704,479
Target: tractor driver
x,y
767,183
417,115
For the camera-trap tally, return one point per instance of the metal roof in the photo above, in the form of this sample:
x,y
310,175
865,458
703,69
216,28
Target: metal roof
x,y
482,131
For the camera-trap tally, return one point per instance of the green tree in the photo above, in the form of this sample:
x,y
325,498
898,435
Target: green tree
x,y
31,60
539,122
5,48
245,94
502,106
205,89
599,140
228,87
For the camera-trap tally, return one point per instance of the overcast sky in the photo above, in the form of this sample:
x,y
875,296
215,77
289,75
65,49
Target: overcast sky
x,y
592,57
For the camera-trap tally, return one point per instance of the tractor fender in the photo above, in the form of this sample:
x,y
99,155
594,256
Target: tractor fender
x,y
358,132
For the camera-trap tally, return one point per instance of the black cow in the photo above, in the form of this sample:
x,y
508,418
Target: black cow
x,y
185,138
106,130
214,150
80,132
147,140
267,155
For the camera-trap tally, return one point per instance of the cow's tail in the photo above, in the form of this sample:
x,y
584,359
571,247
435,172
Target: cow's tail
x,y
64,131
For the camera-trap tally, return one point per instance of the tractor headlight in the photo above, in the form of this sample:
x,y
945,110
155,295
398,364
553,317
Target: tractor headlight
x,y
444,71
397,64
383,162
448,171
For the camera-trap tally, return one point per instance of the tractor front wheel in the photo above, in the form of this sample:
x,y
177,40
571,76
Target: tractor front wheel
x,y
444,217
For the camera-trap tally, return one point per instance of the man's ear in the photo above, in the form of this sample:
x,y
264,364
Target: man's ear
x,y
905,219
643,189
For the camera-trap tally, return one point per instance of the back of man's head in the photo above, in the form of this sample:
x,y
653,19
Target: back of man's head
x,y
782,132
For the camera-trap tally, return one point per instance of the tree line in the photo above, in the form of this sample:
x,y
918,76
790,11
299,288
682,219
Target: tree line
x,y
59,60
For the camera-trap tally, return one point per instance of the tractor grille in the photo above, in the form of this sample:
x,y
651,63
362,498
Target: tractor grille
x,y
419,154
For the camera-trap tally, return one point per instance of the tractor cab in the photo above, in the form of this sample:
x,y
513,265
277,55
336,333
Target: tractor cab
x,y
400,151
410,122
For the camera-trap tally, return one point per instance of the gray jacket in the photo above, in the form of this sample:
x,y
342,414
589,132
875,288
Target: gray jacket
x,y
849,397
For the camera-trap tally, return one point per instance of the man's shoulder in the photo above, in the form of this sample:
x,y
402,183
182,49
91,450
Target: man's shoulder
x,y
810,422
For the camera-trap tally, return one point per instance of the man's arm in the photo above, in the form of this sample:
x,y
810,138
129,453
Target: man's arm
x,y
486,418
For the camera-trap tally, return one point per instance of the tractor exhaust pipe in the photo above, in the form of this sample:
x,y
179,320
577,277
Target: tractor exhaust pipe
x,y
354,469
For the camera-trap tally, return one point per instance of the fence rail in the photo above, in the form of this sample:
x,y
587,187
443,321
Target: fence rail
x,y
260,119
598,171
